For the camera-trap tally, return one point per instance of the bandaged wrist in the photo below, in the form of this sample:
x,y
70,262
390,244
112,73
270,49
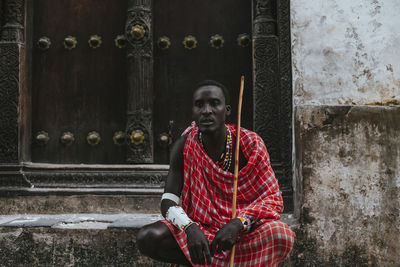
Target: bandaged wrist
x,y
171,197
178,217
246,222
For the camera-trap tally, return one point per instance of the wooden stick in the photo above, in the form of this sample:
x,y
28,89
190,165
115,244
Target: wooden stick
x,y
236,170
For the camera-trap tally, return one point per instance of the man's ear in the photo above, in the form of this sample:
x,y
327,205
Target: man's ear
x,y
228,110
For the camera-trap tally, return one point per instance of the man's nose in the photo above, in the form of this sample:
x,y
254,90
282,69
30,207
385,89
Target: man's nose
x,y
206,109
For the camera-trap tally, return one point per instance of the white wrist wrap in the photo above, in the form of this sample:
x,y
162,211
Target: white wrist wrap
x,y
178,217
170,196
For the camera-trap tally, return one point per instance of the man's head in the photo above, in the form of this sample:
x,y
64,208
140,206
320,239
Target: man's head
x,y
210,106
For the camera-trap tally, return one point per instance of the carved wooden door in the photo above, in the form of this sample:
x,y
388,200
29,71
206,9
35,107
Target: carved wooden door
x,y
112,80
79,81
99,99
197,40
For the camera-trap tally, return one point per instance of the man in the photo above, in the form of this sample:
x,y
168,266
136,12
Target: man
x,y
202,231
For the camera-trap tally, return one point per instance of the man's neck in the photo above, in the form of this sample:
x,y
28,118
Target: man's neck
x,y
214,143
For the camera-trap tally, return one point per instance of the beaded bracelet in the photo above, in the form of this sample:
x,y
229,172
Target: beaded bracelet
x,y
246,223
187,226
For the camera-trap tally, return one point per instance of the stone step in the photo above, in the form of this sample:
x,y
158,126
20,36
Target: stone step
x,y
79,200
73,240
89,239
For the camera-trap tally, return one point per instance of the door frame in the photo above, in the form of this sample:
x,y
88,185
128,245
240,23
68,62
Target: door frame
x,y
272,80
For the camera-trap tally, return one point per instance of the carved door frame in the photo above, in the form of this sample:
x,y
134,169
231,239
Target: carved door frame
x,y
272,81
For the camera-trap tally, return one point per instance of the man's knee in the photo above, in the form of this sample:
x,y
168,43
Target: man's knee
x,y
283,236
280,233
147,238
150,237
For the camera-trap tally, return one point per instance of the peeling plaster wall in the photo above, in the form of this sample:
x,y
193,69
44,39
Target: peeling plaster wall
x,y
346,52
349,164
346,61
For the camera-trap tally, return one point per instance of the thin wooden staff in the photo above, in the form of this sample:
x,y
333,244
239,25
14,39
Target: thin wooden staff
x,y
236,170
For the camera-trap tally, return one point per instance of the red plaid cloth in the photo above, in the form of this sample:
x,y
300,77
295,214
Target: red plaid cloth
x,y
207,199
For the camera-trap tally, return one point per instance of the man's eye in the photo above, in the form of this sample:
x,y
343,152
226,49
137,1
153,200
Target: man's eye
x,y
198,104
215,102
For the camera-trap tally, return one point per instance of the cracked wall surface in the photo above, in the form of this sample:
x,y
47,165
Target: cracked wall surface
x,y
346,52
346,83
349,165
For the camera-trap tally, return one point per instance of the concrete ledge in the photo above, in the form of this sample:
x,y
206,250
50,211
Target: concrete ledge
x,y
92,220
79,221
75,239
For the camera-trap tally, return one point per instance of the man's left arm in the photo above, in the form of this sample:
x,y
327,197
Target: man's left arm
x,y
226,236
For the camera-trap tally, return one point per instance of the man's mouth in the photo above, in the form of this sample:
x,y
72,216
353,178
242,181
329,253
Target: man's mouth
x,y
206,122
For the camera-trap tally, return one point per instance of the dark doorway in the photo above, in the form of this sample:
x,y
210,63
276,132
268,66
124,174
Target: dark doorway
x,y
218,54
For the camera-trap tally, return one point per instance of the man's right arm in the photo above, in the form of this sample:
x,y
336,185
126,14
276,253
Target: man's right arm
x,y
174,183
197,243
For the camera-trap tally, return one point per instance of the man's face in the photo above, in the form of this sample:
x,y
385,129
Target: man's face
x,y
209,108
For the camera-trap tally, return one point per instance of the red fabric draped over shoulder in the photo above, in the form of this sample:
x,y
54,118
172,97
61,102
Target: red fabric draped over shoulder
x,y
207,199
208,190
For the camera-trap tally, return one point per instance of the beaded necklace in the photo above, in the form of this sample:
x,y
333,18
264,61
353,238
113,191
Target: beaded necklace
x,y
225,160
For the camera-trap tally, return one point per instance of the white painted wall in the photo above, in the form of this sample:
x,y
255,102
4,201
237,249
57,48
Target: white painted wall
x,y
345,52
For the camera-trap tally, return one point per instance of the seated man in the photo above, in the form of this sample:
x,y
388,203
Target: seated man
x,y
202,231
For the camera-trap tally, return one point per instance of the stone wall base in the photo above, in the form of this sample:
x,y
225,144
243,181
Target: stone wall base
x,y
66,247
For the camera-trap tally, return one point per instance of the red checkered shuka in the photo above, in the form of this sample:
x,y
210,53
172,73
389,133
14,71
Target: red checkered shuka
x,y
207,199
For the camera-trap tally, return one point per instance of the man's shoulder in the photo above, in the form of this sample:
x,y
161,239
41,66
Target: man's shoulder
x,y
249,132
178,148
246,132
181,141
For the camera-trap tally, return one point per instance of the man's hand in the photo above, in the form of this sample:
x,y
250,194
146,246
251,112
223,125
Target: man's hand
x,y
198,245
226,237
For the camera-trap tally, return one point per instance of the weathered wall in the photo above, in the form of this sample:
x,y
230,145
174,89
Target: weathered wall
x,y
347,149
345,52
349,162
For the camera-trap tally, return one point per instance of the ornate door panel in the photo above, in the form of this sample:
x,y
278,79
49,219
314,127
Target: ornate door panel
x,y
193,41
272,87
79,84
